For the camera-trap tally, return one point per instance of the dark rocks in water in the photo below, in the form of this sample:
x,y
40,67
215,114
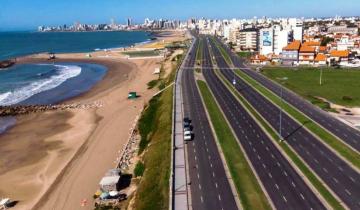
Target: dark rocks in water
x,y
6,64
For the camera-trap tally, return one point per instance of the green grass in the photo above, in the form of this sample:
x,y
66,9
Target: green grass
x,y
222,51
155,127
350,155
139,169
153,189
340,86
331,200
244,54
152,83
145,53
250,192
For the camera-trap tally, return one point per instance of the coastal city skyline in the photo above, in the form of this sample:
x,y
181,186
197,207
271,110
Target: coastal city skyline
x,y
179,105
29,17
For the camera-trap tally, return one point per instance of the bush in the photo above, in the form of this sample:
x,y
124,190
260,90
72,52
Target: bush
x,y
152,83
139,169
347,98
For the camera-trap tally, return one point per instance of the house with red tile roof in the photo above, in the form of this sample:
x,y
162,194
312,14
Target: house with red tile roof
x,y
307,54
320,59
290,53
339,56
259,59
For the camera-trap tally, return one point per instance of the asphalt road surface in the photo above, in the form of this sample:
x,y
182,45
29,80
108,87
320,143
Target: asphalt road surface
x,y
285,187
344,132
336,173
210,188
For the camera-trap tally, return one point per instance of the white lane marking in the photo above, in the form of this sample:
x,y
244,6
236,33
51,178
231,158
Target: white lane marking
x,y
340,168
219,197
347,191
258,157
278,164
211,165
201,198
352,179
285,173
264,165
198,176
216,185
335,180
277,186
324,169
195,157
270,175
293,184
284,199
199,186
213,174
301,195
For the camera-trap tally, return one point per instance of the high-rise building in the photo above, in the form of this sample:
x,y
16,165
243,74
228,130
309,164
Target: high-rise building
x,y
248,39
266,41
129,22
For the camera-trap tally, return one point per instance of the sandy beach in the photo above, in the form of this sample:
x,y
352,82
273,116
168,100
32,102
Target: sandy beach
x,y
55,160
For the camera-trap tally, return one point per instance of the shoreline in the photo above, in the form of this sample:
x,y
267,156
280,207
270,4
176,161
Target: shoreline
x,y
119,74
57,172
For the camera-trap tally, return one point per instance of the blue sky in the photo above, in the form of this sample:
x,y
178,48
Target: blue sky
x,y
28,14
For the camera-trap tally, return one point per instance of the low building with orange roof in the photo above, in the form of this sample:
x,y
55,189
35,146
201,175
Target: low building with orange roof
x,y
320,59
259,59
290,53
307,54
323,49
314,44
339,56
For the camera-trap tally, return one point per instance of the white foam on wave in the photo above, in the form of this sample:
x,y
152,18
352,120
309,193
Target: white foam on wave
x,y
63,73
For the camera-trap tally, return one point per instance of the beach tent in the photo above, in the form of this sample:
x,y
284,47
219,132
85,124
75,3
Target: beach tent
x,y
4,203
109,183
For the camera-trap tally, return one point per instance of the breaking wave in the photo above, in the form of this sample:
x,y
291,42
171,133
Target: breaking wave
x,y
62,74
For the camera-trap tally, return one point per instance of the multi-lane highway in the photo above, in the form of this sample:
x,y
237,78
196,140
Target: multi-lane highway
x,y
340,177
210,188
284,186
344,132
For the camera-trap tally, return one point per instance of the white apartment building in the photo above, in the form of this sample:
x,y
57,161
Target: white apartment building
x,y
266,41
247,39
274,39
345,43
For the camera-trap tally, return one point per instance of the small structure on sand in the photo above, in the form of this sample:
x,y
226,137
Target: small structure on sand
x,y
132,95
4,203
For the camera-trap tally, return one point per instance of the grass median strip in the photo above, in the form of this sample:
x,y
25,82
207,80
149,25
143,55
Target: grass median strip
x,y
320,187
222,51
341,148
250,192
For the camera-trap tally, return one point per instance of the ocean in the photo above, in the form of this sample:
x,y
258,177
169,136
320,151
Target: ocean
x,y
30,84
15,44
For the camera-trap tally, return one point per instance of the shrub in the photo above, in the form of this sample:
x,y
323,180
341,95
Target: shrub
x,y
139,169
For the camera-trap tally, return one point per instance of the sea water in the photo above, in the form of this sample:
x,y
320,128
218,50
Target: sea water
x,y
15,44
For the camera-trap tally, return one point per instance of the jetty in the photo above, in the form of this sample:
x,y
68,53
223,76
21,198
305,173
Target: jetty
x,y
28,109
7,63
